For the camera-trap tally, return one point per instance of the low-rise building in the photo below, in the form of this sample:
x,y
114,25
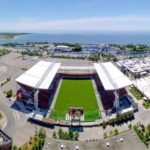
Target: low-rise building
x,y
5,141
62,48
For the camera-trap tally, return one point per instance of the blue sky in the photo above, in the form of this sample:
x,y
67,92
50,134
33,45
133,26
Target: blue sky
x,y
109,15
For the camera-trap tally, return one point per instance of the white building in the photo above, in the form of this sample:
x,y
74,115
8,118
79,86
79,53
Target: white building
x,y
62,48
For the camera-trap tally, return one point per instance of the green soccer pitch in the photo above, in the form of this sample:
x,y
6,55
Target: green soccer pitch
x,y
76,93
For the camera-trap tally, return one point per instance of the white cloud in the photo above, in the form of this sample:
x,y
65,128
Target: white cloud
x,y
98,23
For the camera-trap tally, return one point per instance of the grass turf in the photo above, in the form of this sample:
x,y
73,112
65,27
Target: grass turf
x,y
76,93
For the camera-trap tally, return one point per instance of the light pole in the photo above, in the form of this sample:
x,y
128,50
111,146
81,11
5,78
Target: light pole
x,y
77,147
49,145
69,143
57,144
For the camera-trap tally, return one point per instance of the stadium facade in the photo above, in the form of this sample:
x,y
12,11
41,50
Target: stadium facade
x,y
36,87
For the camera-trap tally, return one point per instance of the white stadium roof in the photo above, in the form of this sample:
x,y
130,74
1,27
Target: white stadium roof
x,y
112,78
40,75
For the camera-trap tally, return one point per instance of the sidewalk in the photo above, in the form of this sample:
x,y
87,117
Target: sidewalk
x,y
3,121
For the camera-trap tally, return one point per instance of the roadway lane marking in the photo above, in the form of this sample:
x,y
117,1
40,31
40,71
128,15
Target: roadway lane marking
x,y
4,125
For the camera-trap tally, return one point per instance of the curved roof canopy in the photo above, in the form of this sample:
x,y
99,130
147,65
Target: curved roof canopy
x,y
112,78
40,75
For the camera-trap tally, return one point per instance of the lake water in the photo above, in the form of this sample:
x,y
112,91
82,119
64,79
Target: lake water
x,y
85,38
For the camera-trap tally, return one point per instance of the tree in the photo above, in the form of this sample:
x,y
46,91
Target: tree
x,y
111,132
60,133
148,128
9,93
42,142
115,59
94,57
54,135
76,135
105,135
66,136
77,48
134,49
30,138
8,79
42,133
130,126
116,132
34,147
15,147
36,138
1,115
71,134
104,124
40,147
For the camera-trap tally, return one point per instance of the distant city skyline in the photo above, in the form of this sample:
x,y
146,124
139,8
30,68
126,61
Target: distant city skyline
x,y
101,15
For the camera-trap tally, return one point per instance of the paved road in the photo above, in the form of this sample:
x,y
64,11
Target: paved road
x,y
15,119
10,71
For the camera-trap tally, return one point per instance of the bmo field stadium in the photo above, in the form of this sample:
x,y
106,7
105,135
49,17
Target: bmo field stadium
x,y
74,92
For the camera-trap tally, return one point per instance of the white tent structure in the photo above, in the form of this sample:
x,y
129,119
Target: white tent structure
x,y
143,84
40,76
112,78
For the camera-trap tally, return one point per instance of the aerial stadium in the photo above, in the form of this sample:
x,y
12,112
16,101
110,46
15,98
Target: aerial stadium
x,y
73,93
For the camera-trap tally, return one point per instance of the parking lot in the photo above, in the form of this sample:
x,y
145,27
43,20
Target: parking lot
x,y
125,141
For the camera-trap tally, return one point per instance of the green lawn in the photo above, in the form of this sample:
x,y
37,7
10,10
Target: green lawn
x,y
136,93
76,93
